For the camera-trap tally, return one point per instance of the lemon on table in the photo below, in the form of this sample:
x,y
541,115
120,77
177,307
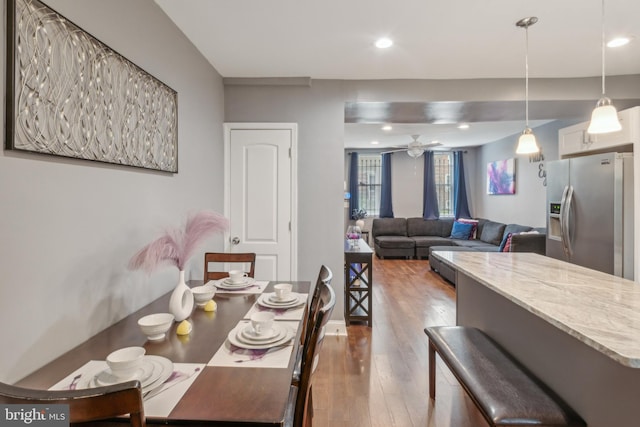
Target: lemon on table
x,y
210,306
184,328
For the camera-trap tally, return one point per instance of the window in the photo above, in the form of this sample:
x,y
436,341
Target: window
x,y
443,164
369,183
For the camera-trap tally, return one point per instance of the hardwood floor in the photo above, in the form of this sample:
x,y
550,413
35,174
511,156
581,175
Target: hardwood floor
x,y
377,377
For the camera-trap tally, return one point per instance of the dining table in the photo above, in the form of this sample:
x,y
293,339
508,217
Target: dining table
x,y
219,384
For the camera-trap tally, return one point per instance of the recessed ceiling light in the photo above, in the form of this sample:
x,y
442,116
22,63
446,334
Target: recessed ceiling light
x,y
618,41
384,43
387,127
374,143
463,126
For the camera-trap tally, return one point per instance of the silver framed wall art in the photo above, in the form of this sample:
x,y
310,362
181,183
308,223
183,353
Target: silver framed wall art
x,y
68,94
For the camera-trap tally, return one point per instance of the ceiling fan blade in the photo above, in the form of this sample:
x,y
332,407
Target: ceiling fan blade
x,y
393,151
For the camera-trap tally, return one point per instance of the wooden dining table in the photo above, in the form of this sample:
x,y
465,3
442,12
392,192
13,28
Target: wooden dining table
x,y
247,396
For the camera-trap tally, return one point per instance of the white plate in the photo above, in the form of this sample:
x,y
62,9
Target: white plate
x,y
164,366
161,368
260,346
288,299
243,282
247,335
265,302
223,285
144,375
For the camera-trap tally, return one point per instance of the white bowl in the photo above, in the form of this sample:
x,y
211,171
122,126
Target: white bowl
x,y
125,362
203,294
155,326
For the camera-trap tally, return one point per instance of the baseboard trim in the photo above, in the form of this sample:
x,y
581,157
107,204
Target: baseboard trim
x,y
336,327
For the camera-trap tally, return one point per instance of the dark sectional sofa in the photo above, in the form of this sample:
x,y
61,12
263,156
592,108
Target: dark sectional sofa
x,y
413,237
417,237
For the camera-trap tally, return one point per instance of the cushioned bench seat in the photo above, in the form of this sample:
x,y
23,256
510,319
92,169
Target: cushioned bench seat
x,y
504,392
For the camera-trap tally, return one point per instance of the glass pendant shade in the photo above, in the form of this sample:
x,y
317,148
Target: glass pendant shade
x,y
527,143
604,118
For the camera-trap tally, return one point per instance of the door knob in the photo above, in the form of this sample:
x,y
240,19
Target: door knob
x,y
235,240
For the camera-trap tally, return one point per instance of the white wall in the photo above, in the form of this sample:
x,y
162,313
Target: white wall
x,y
407,176
69,227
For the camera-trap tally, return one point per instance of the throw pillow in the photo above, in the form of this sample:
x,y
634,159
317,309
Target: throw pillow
x,y
461,230
505,239
474,222
507,243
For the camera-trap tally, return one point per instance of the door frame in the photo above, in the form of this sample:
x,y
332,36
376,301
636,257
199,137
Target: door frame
x,y
293,179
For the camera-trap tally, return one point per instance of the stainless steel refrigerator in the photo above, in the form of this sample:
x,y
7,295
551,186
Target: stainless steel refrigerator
x,y
590,212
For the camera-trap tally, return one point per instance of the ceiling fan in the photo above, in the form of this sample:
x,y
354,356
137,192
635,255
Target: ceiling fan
x,y
415,148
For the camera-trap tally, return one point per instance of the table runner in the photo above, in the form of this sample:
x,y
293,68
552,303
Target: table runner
x,y
231,356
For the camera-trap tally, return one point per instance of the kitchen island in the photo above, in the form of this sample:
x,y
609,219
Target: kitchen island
x,y
576,329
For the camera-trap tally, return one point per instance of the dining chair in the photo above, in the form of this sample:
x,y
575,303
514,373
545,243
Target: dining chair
x,y
85,405
224,257
300,411
324,276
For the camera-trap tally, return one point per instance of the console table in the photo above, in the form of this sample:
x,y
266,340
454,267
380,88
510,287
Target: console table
x,y
358,282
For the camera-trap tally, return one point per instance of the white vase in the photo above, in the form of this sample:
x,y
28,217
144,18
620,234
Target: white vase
x,y
181,302
360,223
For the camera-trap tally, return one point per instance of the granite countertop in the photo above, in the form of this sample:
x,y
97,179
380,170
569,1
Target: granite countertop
x,y
601,310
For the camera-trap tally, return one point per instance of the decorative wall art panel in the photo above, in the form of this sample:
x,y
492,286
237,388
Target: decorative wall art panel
x,y
501,177
68,94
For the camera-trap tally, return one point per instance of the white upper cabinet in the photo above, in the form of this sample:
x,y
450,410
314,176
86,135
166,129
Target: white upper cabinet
x,y
575,139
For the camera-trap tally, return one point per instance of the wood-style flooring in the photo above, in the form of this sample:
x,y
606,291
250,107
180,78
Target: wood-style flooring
x,y
377,377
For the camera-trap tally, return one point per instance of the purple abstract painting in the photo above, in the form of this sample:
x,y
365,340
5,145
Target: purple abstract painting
x,y
501,177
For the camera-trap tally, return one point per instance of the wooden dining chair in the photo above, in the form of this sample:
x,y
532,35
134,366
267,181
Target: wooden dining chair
x,y
300,410
224,257
85,405
324,277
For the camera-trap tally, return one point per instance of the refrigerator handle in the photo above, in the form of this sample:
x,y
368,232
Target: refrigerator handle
x,y
563,237
567,223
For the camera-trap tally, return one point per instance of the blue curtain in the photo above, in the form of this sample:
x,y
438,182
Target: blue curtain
x,y
460,203
430,197
386,207
353,183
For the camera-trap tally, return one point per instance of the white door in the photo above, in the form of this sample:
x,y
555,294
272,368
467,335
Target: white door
x,y
260,195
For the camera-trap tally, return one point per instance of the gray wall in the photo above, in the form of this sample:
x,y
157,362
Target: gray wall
x,y
527,206
319,112
318,109
69,227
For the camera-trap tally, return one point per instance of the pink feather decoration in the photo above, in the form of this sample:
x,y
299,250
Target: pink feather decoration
x,y
176,246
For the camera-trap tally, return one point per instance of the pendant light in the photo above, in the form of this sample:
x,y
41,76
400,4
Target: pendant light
x,y
527,142
604,118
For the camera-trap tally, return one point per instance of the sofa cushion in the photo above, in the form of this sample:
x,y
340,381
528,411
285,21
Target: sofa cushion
x,y
429,227
428,241
395,242
389,227
515,229
492,232
461,230
473,244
